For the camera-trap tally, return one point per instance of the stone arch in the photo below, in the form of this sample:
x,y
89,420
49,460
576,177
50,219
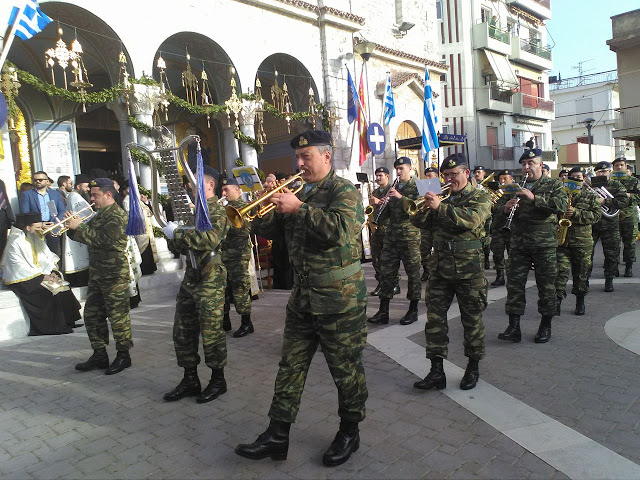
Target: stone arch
x,y
408,129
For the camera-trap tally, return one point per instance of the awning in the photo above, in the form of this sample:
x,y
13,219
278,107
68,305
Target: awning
x,y
502,68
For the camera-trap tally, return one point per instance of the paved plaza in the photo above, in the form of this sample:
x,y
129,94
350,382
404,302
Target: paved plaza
x,y
569,408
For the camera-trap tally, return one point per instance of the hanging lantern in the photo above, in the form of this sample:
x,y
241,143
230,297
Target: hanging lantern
x,y
125,88
234,104
261,136
165,91
276,93
287,107
81,79
312,108
206,95
190,83
60,55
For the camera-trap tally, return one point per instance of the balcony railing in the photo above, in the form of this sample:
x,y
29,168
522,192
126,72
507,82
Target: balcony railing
x,y
498,33
529,101
500,94
502,153
628,118
610,76
535,48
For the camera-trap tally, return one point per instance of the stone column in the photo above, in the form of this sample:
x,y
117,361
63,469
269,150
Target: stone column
x,y
230,145
143,103
127,132
247,118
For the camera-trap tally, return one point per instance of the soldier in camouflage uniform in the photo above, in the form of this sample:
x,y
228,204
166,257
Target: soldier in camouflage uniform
x,y
575,253
608,228
377,237
402,243
500,239
322,226
108,289
200,301
236,255
533,241
628,217
426,234
479,174
456,270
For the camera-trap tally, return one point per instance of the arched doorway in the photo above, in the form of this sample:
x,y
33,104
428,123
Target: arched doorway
x,y
406,130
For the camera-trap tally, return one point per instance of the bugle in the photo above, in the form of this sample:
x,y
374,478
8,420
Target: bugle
x,y
413,207
61,224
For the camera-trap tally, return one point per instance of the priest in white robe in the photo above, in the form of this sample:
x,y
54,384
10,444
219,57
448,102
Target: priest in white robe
x,y
75,255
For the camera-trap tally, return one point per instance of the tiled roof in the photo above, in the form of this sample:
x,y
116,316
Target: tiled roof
x,y
331,10
408,56
400,78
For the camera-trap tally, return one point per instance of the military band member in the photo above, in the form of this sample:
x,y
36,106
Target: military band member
x,y
500,238
575,254
564,173
200,300
456,270
108,289
377,238
479,174
236,255
608,228
546,170
628,217
402,243
322,226
533,241
426,234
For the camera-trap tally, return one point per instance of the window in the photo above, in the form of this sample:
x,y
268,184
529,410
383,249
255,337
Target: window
x,y
534,36
511,26
485,14
445,128
439,9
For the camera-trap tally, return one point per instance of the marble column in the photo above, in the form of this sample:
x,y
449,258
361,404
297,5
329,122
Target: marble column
x,y
247,119
127,132
144,101
230,146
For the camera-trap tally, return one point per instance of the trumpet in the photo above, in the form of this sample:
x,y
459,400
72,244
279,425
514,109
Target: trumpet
x,y
602,192
563,225
413,207
495,195
61,223
249,213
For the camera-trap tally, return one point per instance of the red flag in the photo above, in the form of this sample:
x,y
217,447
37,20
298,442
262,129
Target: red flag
x,y
362,123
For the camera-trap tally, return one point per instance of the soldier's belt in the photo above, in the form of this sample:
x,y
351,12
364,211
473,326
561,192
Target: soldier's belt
x,y
310,280
458,246
203,263
535,227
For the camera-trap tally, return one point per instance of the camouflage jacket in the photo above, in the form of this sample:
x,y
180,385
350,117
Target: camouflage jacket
x,y
237,243
458,230
323,240
400,225
619,201
534,223
105,237
204,244
587,212
498,215
632,186
380,192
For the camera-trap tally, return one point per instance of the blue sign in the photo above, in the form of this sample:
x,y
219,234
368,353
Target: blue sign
x,y
375,138
3,110
451,138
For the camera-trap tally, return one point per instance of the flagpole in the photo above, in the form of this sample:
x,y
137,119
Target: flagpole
x,y
366,79
9,40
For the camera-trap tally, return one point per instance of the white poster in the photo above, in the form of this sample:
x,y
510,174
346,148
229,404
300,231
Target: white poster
x,y
56,155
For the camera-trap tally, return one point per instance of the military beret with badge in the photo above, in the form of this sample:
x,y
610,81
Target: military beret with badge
x,y
530,153
402,161
453,161
311,138
602,166
430,170
102,183
382,170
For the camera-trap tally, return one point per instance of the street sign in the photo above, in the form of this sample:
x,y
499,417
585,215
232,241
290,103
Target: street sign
x,y
375,138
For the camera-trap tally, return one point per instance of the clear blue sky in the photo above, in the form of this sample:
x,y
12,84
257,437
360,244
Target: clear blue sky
x,y
580,29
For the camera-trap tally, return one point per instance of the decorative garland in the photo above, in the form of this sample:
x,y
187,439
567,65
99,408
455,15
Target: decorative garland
x,y
141,157
138,125
252,142
164,199
158,233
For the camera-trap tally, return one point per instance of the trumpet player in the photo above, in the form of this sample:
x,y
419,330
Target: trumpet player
x,y
608,228
628,215
402,243
575,252
533,240
456,269
500,239
426,234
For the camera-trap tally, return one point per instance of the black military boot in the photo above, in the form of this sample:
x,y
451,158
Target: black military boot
x,y
544,330
376,291
99,360
608,284
559,299
435,378
396,289
226,321
512,332
471,375
382,315
122,361
274,443
499,279
628,270
217,386
580,309
346,441
425,275
188,387
246,327
411,315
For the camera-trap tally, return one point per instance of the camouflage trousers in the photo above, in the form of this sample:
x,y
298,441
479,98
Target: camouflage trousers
x,y
486,241
238,289
377,242
578,259
472,300
394,251
499,242
108,298
342,338
609,234
426,244
518,266
628,234
199,308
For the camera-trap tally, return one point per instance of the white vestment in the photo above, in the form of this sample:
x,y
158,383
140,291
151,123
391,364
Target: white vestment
x,y
25,257
76,254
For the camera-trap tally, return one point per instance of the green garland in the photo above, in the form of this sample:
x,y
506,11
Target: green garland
x,y
164,199
158,233
141,157
252,142
138,125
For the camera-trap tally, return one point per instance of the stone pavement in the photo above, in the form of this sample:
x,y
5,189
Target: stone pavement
x,y
56,422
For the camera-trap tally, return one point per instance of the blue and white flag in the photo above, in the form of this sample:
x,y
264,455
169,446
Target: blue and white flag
x,y
429,120
31,20
203,222
389,104
352,99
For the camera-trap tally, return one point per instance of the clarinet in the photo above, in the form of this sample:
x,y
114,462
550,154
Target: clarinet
x,y
385,201
507,226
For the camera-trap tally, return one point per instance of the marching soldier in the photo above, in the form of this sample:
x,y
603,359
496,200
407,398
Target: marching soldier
x,y
457,261
546,170
479,174
500,238
628,218
402,243
608,228
564,173
575,253
236,255
426,234
322,226
108,289
200,301
533,241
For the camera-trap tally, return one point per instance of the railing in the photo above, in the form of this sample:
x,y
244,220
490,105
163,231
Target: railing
x,y
502,153
529,101
496,31
535,48
628,118
608,76
500,94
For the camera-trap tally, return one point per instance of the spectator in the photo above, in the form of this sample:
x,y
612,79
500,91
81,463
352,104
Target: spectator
x,y
65,186
531,144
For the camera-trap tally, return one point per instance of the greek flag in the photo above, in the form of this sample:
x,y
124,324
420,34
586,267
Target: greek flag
x,y
352,99
429,120
30,21
389,104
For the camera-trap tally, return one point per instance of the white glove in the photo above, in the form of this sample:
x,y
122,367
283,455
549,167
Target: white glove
x,y
169,229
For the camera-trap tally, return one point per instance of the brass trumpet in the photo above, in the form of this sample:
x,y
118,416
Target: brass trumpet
x,y
563,226
61,224
238,216
413,207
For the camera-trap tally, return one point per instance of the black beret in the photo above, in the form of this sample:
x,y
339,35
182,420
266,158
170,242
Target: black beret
x,y
602,166
564,170
479,168
206,170
620,159
530,153
228,181
82,178
453,161
311,138
430,170
576,170
546,167
382,170
102,182
505,172
402,161
25,219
